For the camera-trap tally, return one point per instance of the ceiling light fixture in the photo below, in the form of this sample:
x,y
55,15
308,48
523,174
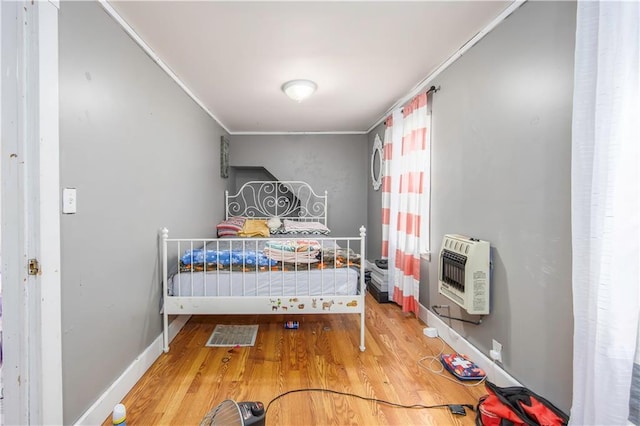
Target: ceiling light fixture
x,y
298,90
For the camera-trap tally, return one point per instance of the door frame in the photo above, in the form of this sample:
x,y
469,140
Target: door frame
x,y
30,218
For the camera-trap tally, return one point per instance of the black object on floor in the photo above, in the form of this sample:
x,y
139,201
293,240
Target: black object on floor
x,y
380,296
382,263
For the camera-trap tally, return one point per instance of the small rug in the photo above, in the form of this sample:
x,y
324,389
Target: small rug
x,y
233,335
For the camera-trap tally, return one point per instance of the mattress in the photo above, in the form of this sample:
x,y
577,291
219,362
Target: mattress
x,y
338,281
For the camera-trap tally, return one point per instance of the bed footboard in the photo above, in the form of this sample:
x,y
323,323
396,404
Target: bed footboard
x,y
248,276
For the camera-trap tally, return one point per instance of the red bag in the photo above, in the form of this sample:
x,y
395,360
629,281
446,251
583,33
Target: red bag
x,y
517,406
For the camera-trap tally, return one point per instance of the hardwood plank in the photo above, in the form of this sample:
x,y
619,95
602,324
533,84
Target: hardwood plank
x,y
183,385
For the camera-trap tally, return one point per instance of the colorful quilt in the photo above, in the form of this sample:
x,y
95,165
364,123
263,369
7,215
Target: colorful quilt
x,y
225,257
299,255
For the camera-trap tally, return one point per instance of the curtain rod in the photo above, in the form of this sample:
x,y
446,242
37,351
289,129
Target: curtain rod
x,y
432,89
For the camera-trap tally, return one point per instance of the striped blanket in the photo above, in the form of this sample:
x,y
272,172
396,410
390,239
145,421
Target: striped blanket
x,y
293,251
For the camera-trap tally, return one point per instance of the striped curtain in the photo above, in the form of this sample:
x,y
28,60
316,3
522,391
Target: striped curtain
x,y
405,199
387,154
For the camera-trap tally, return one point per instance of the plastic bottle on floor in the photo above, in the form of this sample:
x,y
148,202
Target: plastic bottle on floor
x,y
119,415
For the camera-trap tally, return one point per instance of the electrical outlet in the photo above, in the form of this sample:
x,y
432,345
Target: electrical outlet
x,y
496,352
497,346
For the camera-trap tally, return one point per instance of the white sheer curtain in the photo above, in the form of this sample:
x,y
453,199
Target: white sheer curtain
x,y
605,210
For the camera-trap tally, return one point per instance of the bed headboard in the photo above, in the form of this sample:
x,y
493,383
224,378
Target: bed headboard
x,y
284,199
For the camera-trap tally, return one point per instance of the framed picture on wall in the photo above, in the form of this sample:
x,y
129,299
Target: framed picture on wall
x,y
224,157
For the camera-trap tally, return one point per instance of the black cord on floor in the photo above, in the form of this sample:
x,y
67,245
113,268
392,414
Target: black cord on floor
x,y
434,308
365,398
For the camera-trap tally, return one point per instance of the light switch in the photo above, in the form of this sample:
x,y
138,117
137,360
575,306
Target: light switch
x,y
69,201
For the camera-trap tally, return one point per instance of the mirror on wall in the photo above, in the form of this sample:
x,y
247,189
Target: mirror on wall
x,y
377,163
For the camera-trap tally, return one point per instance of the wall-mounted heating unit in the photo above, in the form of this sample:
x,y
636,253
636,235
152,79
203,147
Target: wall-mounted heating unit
x,y
463,273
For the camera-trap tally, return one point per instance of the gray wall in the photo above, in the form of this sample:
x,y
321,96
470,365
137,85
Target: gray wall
x,y
142,156
501,164
374,201
335,163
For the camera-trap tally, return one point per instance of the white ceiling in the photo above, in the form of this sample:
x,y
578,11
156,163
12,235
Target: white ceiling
x,y
365,56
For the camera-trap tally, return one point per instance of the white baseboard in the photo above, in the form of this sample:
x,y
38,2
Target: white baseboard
x,y
495,373
103,406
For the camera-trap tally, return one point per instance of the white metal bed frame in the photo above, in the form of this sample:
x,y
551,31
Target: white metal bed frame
x,y
282,199
297,303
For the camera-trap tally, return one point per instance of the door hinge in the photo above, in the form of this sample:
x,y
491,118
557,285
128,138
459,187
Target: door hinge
x,y
34,267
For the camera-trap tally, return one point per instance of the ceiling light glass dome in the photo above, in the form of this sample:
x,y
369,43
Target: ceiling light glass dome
x,y
298,90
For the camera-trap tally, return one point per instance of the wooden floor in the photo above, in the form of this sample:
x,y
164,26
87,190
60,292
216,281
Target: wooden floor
x,y
183,385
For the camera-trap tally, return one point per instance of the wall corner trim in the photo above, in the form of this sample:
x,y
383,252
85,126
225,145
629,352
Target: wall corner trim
x,y
100,410
495,373
283,133
147,49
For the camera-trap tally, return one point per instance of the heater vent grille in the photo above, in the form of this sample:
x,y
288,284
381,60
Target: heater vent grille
x,y
463,275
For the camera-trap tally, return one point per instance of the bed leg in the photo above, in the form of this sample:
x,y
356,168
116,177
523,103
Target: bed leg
x,y
363,285
362,315
165,331
165,316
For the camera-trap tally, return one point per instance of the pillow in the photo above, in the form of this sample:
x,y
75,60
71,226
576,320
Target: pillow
x,y
296,227
274,224
254,228
230,227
